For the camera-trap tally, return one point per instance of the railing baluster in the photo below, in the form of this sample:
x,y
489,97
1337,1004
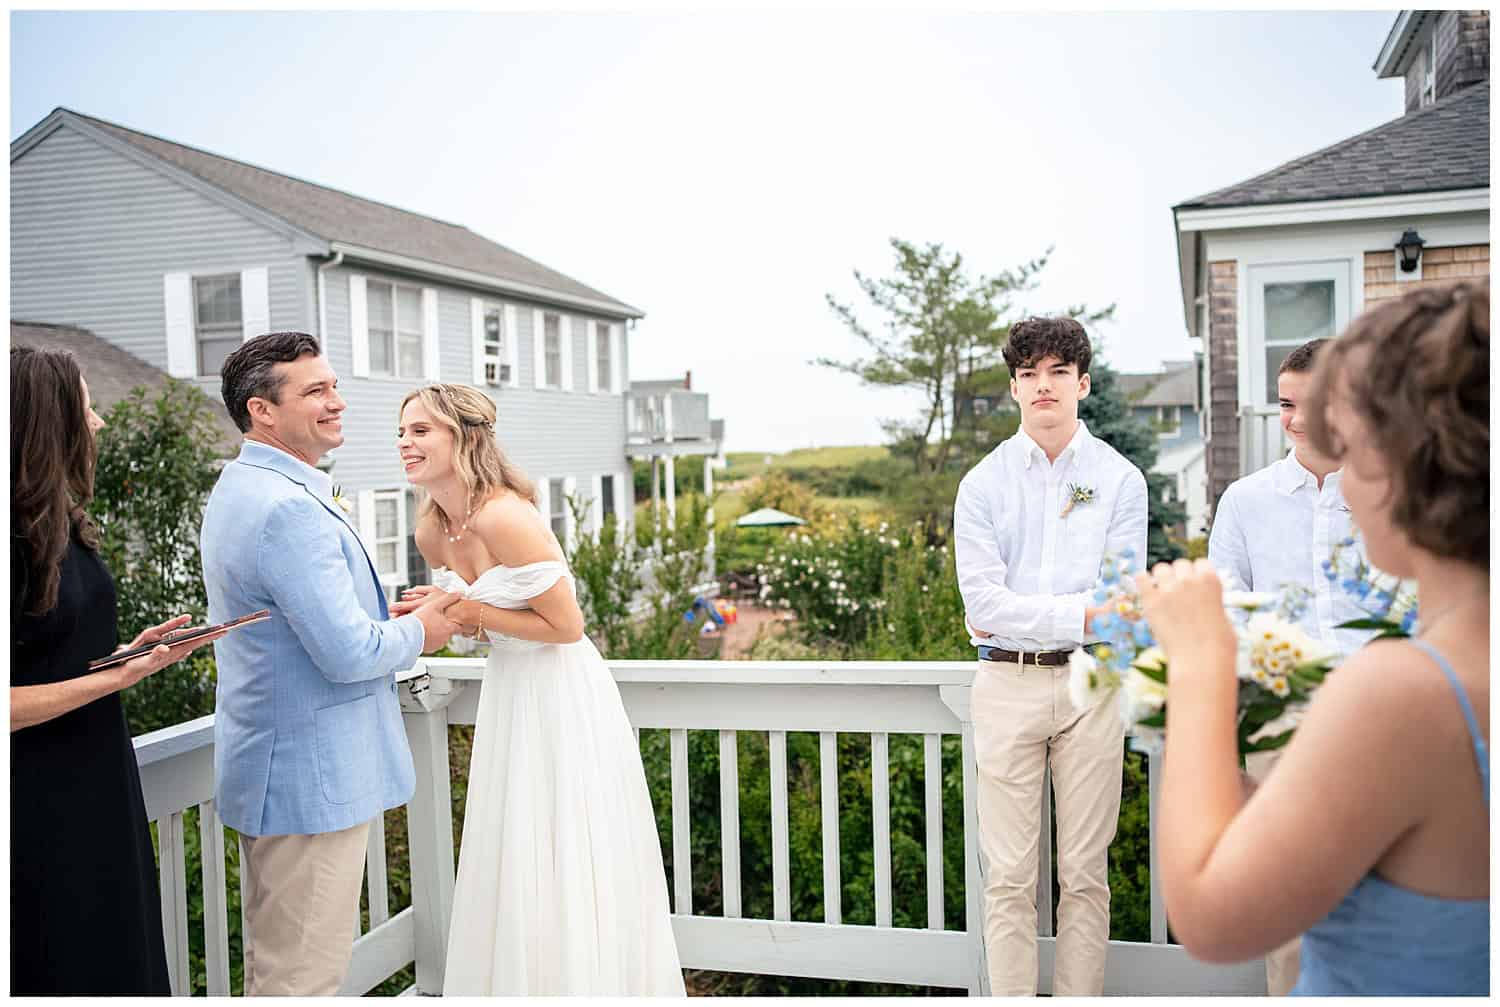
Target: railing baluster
x,y
729,808
380,900
973,873
1158,907
781,885
239,848
828,771
215,901
932,778
172,840
880,797
1044,860
682,864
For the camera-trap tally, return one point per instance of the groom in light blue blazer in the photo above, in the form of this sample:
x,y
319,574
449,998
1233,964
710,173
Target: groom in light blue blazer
x,y
309,744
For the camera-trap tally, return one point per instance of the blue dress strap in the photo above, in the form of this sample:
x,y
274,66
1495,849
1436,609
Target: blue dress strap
x,y
1481,751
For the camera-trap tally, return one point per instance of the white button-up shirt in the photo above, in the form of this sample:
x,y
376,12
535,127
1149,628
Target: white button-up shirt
x,y
1026,572
1276,527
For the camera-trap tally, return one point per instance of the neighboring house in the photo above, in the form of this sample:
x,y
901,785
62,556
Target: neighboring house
x,y
667,420
1296,252
176,255
1168,402
986,392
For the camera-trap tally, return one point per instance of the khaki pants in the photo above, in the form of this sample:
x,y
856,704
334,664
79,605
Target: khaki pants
x,y
1285,963
301,897
1023,720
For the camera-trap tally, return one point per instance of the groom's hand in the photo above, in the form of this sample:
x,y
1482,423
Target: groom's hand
x,y
437,628
412,599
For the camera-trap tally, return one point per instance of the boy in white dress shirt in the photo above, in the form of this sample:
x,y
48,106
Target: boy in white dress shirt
x,y
1276,527
1032,523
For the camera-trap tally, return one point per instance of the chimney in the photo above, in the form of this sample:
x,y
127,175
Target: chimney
x,y
687,381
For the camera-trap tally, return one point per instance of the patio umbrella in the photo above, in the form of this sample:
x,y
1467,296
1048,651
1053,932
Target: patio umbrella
x,y
768,517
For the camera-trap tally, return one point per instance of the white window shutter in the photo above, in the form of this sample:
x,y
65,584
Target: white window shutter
x,y
255,302
431,365
359,326
591,353
511,338
616,357
539,347
402,573
570,487
177,305
476,334
365,510
565,335
596,508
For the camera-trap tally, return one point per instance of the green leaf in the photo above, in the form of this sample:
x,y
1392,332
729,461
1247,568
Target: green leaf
x,y
1383,624
1157,719
1158,675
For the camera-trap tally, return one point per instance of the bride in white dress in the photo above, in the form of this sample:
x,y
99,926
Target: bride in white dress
x,y
560,886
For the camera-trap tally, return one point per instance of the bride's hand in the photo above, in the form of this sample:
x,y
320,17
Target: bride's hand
x,y
412,598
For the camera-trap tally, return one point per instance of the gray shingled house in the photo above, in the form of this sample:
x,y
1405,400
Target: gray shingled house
x,y
176,255
1298,251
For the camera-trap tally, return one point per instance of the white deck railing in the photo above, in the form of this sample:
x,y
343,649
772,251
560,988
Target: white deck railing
x,y
879,699
1262,440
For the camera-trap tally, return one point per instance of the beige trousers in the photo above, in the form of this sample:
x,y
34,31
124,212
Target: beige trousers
x,y
301,897
1024,720
1285,963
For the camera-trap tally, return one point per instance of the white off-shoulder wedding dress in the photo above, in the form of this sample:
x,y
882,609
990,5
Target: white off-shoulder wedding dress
x,y
560,887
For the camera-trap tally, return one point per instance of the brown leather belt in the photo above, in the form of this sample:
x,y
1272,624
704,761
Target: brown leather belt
x,y
1039,658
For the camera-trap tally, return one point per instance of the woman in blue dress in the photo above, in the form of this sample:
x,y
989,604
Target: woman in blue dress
x,y
1371,838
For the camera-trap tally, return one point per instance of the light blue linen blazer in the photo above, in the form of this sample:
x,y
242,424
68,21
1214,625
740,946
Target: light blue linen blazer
x,y
308,735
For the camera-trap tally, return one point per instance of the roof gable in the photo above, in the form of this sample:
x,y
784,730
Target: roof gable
x,y
1445,146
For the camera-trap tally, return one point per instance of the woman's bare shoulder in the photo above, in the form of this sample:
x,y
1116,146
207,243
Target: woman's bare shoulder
x,y
512,530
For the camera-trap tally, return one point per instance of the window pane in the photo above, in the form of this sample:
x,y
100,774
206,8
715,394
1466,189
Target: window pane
x,y
1274,356
386,515
381,351
553,334
409,309
1295,313
211,354
601,347
607,491
378,299
416,566
411,356
492,331
385,557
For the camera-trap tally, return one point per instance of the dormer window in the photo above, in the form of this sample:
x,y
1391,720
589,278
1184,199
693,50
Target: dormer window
x,y
1429,72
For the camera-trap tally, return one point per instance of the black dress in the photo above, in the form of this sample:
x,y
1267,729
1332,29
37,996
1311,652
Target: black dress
x,y
85,910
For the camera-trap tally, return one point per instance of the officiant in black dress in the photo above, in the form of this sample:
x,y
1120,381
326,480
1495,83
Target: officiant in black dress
x,y
85,906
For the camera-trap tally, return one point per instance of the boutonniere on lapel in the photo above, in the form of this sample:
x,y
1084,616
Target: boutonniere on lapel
x,y
1078,495
342,501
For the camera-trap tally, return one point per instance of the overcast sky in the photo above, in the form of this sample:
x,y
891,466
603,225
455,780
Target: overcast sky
x,y
724,172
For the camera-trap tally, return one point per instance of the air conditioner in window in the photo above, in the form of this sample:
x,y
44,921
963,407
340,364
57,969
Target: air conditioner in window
x,y
496,373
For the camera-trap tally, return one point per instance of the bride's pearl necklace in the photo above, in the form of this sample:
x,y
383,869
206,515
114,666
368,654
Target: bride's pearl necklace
x,y
461,528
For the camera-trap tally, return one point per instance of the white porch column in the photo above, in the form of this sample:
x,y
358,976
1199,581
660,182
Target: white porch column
x,y
670,476
655,501
708,496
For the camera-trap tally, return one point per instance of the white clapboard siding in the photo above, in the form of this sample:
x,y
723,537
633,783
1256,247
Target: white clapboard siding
x,y
476,338
539,347
359,326
682,849
177,304
565,337
215,902
255,302
510,338
616,357
431,366
591,354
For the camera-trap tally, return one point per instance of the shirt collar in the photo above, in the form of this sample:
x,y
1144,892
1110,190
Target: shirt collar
x,y
266,456
1292,475
1030,449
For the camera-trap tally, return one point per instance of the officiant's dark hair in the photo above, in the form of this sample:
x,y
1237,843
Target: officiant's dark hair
x,y
52,456
1417,372
250,371
1033,340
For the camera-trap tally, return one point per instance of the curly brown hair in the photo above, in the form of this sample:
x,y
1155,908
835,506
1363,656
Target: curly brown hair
x,y
1032,340
52,455
1417,372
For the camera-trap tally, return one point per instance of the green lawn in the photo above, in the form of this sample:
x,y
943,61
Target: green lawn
x,y
747,464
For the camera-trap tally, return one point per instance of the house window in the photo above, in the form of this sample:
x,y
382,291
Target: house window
x,y
1295,313
395,316
416,567
601,354
1290,304
1429,72
496,370
552,334
389,535
217,319
557,506
607,497
1168,420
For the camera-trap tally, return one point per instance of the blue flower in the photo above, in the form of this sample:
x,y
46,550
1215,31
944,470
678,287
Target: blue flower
x,y
1142,633
1100,596
1408,621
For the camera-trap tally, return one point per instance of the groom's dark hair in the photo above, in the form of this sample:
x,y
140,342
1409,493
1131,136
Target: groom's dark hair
x,y
1033,340
250,371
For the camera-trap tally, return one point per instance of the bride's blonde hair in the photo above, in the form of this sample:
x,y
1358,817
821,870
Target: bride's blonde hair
x,y
469,415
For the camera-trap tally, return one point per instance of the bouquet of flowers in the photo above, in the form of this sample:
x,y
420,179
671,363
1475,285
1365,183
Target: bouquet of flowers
x,y
1278,664
1390,601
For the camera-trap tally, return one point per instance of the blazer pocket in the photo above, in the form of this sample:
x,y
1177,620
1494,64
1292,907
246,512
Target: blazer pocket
x,y
348,753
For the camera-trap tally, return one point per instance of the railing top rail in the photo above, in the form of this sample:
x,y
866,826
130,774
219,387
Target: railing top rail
x,y
889,673
157,746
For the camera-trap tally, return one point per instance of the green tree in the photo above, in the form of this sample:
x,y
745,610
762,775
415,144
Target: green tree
x,y
158,461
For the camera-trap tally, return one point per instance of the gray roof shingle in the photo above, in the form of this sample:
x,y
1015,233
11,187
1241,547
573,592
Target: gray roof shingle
x,y
1441,147
111,372
1177,386
338,216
